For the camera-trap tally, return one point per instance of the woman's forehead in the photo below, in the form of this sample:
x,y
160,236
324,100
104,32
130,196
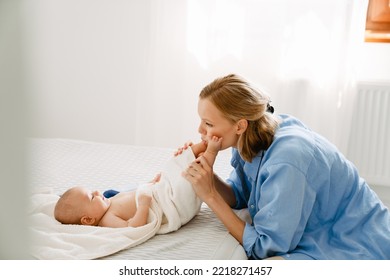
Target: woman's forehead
x,y
208,111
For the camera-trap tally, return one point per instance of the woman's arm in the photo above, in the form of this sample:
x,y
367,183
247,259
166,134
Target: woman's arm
x,y
225,190
218,195
226,215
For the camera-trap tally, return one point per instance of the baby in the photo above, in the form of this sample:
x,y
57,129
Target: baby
x,y
80,206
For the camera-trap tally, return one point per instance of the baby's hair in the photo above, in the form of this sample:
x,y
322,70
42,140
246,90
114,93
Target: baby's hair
x,y
66,211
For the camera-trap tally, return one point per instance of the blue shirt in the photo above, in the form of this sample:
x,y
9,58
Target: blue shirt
x,y
307,201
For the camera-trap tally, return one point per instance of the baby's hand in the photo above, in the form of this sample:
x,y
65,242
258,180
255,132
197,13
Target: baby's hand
x,y
156,179
180,150
144,199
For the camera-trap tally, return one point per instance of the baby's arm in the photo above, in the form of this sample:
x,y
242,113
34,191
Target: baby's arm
x,y
156,179
112,220
140,217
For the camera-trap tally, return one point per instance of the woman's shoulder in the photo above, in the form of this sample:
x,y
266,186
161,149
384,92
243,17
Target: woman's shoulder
x,y
293,139
292,133
288,121
236,158
294,144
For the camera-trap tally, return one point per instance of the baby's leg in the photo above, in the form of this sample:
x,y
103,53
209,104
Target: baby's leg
x,y
198,148
213,147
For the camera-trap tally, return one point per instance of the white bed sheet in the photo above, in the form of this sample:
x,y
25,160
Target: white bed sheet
x,y
57,164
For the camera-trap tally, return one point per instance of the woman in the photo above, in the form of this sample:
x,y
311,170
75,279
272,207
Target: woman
x,y
306,200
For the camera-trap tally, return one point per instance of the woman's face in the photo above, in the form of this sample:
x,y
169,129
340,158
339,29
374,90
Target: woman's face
x,y
213,123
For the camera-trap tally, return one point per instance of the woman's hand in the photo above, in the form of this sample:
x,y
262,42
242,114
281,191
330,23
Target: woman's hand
x,y
180,150
201,176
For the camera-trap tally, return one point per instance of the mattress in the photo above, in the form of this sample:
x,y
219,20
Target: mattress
x,y
57,164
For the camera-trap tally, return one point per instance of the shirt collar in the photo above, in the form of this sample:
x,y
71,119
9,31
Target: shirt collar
x,y
251,169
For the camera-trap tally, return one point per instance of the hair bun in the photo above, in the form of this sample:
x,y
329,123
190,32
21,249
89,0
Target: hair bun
x,y
270,109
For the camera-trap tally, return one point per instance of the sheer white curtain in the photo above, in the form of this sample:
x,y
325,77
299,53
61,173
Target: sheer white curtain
x,y
301,52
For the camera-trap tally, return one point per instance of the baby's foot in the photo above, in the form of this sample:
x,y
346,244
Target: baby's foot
x,y
199,148
214,145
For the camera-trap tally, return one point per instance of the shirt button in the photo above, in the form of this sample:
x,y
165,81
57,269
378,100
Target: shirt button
x,y
252,206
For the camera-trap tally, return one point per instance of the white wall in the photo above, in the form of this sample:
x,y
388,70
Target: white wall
x,y
85,61
374,62
90,62
85,65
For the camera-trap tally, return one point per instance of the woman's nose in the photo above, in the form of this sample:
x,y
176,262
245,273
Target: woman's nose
x,y
201,129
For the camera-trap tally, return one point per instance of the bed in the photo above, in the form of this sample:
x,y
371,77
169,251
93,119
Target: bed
x,y
57,164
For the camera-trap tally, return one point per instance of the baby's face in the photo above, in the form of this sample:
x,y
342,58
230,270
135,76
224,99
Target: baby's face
x,y
94,203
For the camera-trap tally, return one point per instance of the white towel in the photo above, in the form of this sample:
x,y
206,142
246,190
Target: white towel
x,y
174,203
175,195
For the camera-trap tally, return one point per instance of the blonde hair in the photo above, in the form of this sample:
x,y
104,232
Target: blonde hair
x,y
237,99
67,211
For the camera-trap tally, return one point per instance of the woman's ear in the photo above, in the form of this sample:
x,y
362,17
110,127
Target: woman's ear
x,y
242,125
88,221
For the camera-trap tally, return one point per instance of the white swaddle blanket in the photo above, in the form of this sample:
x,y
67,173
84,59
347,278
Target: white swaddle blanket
x,y
174,195
174,203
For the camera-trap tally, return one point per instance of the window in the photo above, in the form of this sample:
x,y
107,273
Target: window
x,y
378,21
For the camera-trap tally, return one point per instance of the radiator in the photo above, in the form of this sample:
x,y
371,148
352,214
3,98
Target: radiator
x,y
369,141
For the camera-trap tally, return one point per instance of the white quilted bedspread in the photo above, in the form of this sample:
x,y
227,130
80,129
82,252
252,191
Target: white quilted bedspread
x,y
57,164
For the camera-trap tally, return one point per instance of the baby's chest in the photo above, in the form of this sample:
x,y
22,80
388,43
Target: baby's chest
x,y
124,207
